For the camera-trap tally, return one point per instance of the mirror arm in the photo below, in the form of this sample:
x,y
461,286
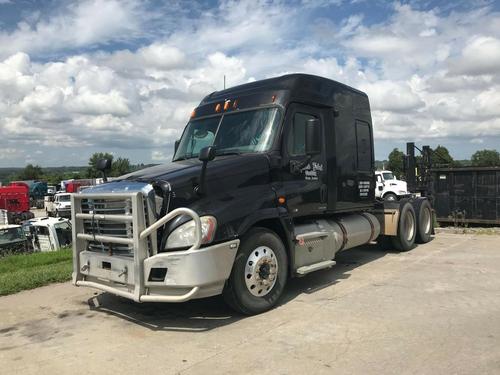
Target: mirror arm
x,y
200,188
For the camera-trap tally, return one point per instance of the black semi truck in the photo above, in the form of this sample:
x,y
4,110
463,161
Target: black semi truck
x,y
269,181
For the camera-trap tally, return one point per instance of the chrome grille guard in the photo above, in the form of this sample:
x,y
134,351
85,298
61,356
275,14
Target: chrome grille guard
x,y
139,240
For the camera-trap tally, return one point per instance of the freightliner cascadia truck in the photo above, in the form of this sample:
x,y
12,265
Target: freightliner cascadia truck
x,y
269,180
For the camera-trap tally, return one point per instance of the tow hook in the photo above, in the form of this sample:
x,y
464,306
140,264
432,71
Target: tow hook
x,y
124,272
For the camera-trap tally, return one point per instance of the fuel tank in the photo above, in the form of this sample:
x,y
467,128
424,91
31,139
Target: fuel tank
x,y
319,240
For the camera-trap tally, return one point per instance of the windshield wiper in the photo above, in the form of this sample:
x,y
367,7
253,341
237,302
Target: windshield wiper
x,y
184,158
228,153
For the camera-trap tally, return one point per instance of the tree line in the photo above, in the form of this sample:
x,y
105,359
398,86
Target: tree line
x,y
441,156
119,167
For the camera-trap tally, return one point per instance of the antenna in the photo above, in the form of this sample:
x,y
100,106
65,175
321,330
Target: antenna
x,y
224,81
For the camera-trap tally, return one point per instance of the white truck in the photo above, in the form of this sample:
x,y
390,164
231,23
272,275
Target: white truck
x,y
47,233
58,205
389,187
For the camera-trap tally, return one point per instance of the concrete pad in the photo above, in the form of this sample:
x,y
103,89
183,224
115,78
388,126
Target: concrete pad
x,y
435,309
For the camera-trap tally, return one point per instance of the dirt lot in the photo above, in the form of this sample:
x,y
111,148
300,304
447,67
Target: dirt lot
x,y
433,310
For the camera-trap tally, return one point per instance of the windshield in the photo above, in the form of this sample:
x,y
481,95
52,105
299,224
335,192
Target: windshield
x,y
11,235
240,132
388,176
64,198
63,231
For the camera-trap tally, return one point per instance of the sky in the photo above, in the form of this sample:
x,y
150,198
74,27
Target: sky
x,y
122,76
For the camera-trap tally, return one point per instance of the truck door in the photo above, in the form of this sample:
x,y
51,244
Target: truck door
x,y
304,177
44,240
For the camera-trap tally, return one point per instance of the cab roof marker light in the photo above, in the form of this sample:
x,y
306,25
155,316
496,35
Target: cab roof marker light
x,y
193,113
227,104
218,107
235,104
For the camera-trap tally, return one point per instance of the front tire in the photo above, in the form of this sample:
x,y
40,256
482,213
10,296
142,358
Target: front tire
x,y
259,273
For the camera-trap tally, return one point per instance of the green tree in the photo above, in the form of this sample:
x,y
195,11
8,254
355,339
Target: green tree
x,y
486,158
92,171
396,160
30,172
120,167
441,155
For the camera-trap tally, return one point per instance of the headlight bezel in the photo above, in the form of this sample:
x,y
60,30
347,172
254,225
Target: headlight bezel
x,y
182,237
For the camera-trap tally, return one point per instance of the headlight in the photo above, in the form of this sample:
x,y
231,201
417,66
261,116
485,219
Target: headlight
x,y
183,236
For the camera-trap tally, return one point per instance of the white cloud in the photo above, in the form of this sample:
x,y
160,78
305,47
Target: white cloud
x,y
80,24
428,74
481,55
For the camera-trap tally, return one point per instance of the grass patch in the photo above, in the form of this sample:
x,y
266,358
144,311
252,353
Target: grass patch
x,y
28,271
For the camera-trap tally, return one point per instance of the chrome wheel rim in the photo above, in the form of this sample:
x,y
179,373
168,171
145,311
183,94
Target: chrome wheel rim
x,y
390,197
409,226
261,271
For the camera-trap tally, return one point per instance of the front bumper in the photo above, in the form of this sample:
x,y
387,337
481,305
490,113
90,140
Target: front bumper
x,y
189,274
141,273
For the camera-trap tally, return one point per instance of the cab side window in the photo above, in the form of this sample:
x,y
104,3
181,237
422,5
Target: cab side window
x,y
296,142
42,231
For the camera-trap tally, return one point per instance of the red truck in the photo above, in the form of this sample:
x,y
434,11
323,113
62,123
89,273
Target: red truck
x,y
15,198
73,186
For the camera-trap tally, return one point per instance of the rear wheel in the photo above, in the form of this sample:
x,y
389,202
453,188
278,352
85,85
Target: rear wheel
x,y
259,273
407,228
425,222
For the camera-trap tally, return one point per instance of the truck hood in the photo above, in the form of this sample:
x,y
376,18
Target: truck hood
x,y
224,166
159,172
224,173
398,186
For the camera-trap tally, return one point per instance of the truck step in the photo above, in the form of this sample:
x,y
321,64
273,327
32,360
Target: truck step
x,y
304,270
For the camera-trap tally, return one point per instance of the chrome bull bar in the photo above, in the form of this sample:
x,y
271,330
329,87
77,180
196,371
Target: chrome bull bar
x,y
139,240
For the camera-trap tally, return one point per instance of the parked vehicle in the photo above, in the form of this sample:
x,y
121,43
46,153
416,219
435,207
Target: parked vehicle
x,y
461,195
48,234
4,217
12,239
389,187
74,186
59,205
51,189
37,190
16,201
269,181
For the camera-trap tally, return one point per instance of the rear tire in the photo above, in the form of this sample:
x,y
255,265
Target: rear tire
x,y
259,273
425,222
407,228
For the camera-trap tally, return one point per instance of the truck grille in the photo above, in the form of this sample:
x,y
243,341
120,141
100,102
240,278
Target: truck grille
x,y
108,228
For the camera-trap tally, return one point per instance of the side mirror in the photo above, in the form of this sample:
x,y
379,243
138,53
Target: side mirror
x,y
176,145
103,165
313,137
207,154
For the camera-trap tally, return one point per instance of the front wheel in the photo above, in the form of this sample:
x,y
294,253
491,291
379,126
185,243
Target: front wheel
x,y
259,273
